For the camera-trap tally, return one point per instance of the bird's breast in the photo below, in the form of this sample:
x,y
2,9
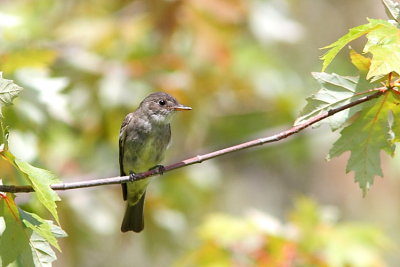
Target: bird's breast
x,y
145,151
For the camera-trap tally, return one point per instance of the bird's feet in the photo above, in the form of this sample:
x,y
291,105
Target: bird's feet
x,y
132,177
160,169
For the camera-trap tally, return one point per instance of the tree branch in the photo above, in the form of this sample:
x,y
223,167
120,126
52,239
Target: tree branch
x,y
199,158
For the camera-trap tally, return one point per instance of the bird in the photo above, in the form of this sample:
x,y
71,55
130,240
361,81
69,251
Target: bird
x,y
143,139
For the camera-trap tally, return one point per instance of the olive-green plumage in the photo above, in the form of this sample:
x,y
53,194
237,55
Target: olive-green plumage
x,y
143,140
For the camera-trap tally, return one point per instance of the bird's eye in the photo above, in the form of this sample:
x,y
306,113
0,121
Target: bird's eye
x,y
162,102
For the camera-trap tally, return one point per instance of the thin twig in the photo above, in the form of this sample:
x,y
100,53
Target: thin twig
x,y
199,158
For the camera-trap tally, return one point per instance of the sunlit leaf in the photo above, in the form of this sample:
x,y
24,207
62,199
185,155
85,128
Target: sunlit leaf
x,y
366,137
361,62
13,239
353,34
42,253
7,155
8,91
41,180
25,246
44,228
384,45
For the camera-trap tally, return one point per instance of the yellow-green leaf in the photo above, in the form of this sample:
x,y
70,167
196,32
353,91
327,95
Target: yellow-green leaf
x,y
353,34
384,45
13,241
361,62
41,180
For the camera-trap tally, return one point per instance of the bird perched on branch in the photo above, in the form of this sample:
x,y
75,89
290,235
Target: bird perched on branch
x,y
143,140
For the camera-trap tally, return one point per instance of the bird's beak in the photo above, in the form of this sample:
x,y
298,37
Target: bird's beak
x,y
181,107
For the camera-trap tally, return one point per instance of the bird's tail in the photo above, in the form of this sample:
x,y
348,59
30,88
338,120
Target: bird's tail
x,y
133,218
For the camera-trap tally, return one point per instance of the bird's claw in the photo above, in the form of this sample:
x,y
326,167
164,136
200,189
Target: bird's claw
x,y
160,169
132,177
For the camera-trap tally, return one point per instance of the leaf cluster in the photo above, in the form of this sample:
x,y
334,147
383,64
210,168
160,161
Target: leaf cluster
x,y
368,129
26,238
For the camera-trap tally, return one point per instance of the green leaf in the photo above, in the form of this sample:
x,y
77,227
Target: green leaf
x,y
44,228
39,252
7,155
353,34
384,45
335,91
370,133
392,8
13,239
25,246
42,253
385,60
8,91
41,180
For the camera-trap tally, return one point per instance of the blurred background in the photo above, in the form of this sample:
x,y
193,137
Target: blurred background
x,y
244,67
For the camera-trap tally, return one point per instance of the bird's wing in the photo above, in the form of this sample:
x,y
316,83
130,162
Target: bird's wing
x,y
122,137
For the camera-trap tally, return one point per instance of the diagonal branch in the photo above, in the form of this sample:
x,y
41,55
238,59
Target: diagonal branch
x,y
199,158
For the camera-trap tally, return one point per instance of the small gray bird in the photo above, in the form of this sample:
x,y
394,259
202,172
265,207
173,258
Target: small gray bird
x,y
143,139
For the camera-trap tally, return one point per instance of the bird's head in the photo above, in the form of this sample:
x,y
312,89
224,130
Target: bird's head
x,y
161,106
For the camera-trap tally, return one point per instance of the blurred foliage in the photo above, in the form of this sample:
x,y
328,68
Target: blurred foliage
x,y
242,65
311,237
